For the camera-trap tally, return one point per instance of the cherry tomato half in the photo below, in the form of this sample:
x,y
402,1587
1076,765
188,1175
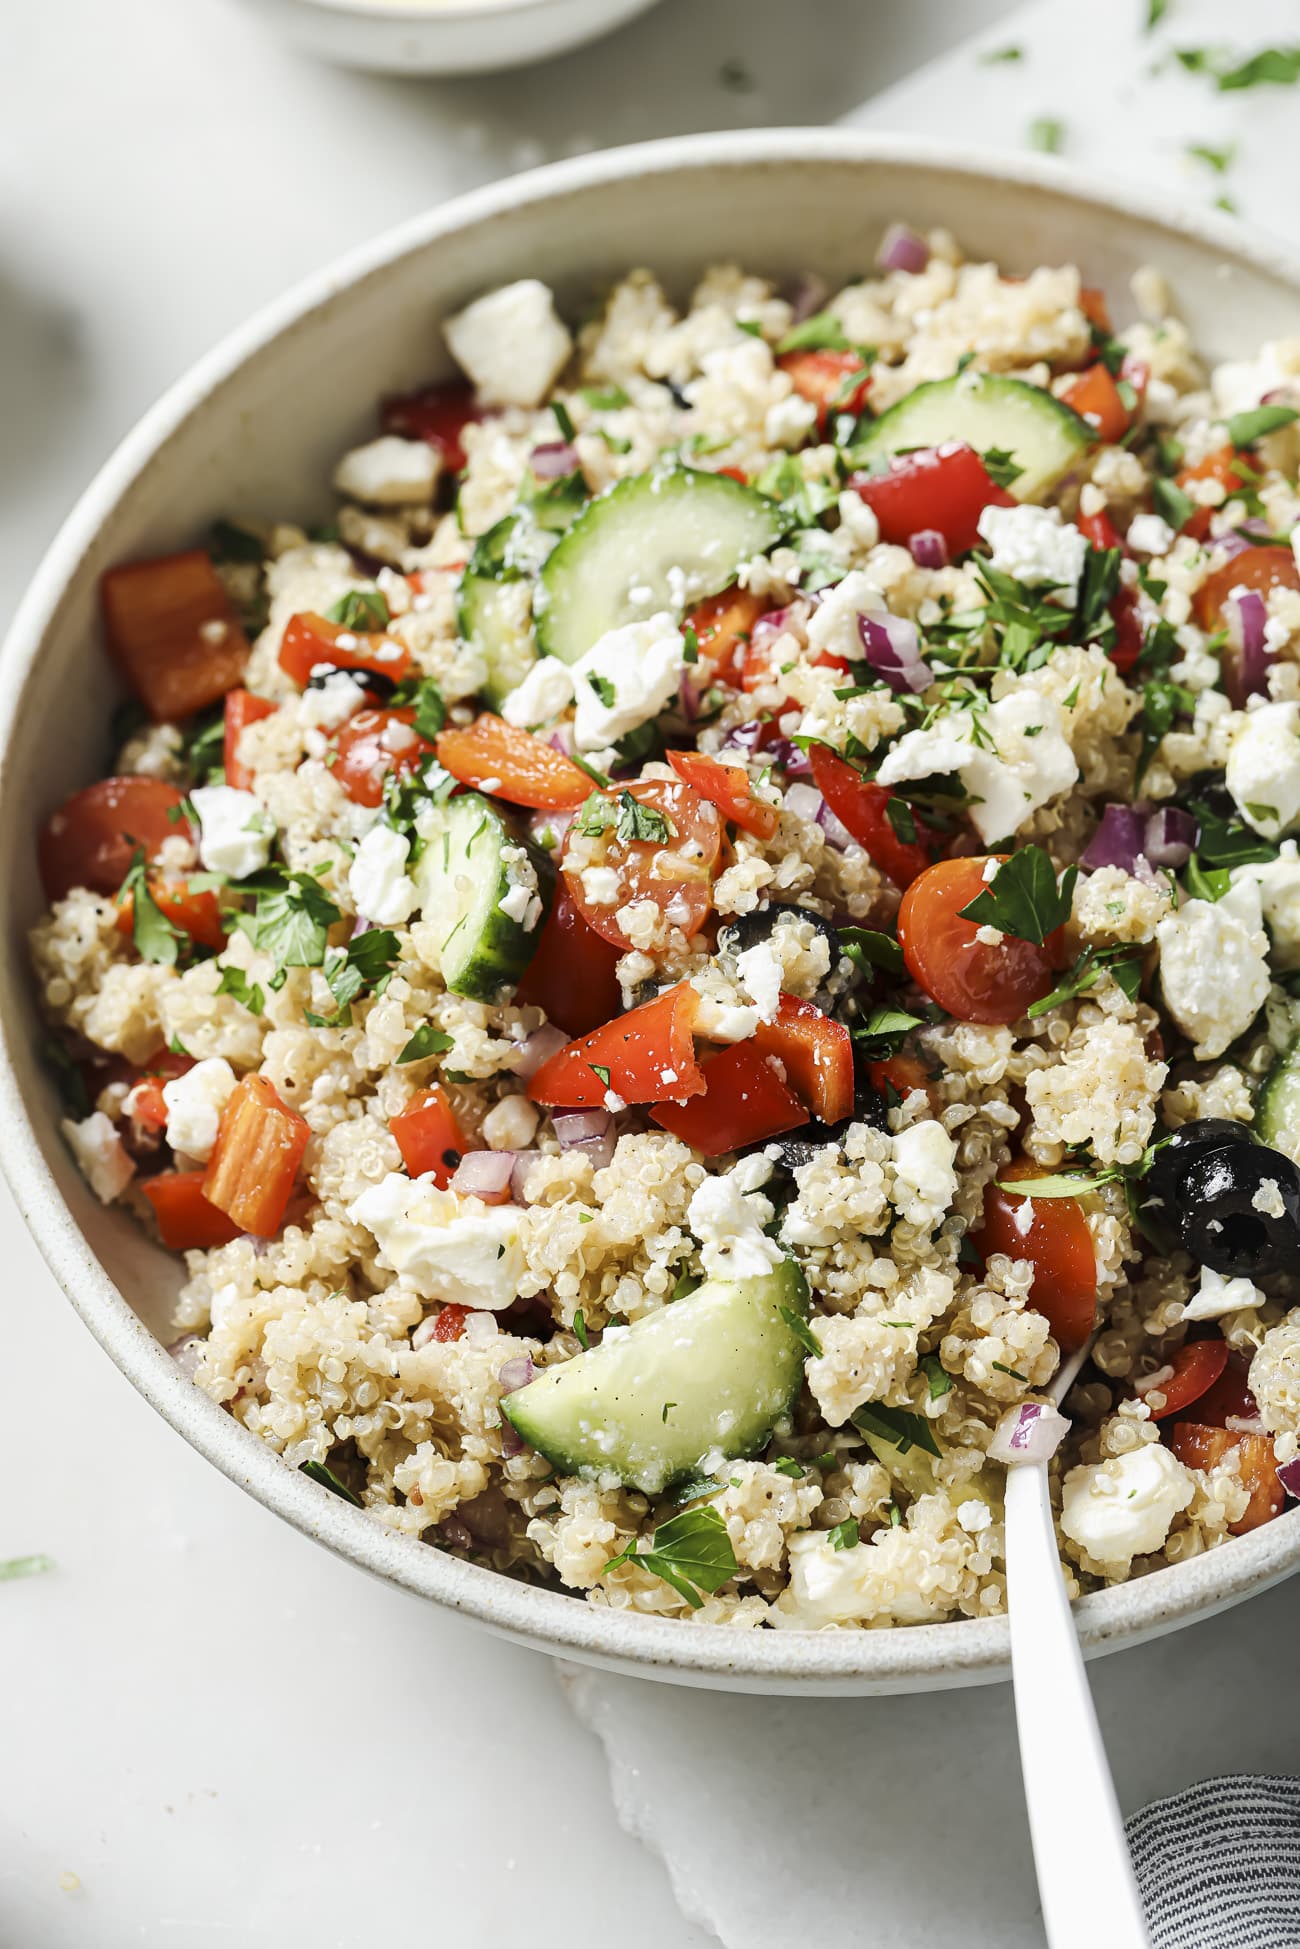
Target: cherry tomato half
x,y
1260,569
1096,398
835,382
195,912
91,840
723,625
1230,1398
676,873
371,747
728,787
1197,1366
437,414
862,807
973,981
573,974
310,640
1057,1243
1199,1447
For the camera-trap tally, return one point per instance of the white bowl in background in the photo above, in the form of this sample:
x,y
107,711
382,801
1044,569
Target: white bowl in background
x,y
255,428
444,36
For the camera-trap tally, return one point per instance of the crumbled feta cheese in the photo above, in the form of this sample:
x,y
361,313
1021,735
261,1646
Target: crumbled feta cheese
x,y
1278,881
1148,534
545,693
1030,762
627,677
1239,384
1035,546
390,472
194,1105
234,833
1125,1507
925,1182
789,422
876,1580
445,1247
521,904
1216,1296
723,1021
326,705
510,343
614,1102
600,885
1214,967
1263,769
101,1155
761,975
378,880
728,1219
511,1124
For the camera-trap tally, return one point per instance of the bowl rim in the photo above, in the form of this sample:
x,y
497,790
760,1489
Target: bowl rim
x,y
424,12
911,1657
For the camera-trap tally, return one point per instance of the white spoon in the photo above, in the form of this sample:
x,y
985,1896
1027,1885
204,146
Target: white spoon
x,y
1085,1875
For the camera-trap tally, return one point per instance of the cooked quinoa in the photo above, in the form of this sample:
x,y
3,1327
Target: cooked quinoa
x,y
524,952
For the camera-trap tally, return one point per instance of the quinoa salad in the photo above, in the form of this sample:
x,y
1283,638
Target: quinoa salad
x,y
734,906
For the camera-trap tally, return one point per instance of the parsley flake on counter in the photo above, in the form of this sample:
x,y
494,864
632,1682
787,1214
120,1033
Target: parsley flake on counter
x,y
691,1552
1156,11
997,55
1220,160
25,1566
1046,134
427,1041
1023,898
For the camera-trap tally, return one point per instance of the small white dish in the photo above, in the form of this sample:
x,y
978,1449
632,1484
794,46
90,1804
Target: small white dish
x,y
444,36
257,426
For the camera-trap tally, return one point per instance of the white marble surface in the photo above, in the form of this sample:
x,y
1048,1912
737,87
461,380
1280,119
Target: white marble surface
x,y
221,1731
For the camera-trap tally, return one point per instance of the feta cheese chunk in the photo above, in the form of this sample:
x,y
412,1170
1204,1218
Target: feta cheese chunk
x,y
1263,769
885,1579
1217,1296
761,975
101,1155
545,693
1125,1507
235,834
377,878
390,472
1030,762
925,1182
627,677
445,1247
1148,534
1239,384
194,1105
1278,881
324,706
1035,546
1214,967
510,343
727,1217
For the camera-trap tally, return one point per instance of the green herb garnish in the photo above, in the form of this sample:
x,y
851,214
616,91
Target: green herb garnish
x,y
328,1480
427,1041
899,1426
691,1552
360,609
1023,898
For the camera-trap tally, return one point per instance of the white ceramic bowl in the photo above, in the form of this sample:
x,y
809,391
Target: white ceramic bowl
x,y
433,37
255,428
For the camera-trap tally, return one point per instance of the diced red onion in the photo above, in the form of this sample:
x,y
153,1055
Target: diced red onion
x,y
484,1174
523,1164
550,826
893,651
187,1352
792,759
803,801
1233,543
454,1532
516,1373
599,1149
790,621
1030,1433
807,296
745,737
360,926
837,833
1245,613
573,1127
538,1048
1171,834
561,739
929,549
553,460
1118,840
902,249
1289,1476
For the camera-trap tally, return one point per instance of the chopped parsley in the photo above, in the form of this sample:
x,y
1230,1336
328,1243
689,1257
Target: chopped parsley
x,y
1156,11
291,920
1162,700
328,1480
1279,66
203,748
600,1071
1219,160
820,333
1172,503
597,777
637,821
786,1465
868,949
24,1566
228,542
1023,898
884,1032
364,966
1047,134
937,1375
1001,466
604,399
1015,1373
430,710
1120,962
235,982
845,1534
580,1332
152,934
360,609
564,420
900,1427
691,1552
427,1041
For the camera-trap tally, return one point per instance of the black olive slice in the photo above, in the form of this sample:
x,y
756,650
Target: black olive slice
x,y
1228,1215
749,930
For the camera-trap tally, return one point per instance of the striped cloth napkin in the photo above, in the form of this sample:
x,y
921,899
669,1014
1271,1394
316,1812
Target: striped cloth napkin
x,y
1219,1864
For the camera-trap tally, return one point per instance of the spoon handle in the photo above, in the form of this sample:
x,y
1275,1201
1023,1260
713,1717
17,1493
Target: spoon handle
x,y
1085,1876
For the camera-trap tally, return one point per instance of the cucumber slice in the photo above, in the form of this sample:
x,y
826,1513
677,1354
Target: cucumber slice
x,y
1277,1108
674,536
714,1370
984,410
493,608
487,892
